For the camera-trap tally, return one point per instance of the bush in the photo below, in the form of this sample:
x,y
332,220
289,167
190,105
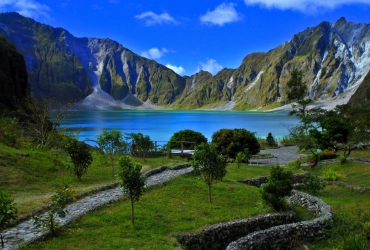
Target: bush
x,y
327,155
331,175
296,164
187,135
231,141
278,186
313,184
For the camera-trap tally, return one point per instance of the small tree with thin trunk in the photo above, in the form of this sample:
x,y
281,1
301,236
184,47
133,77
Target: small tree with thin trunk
x,y
57,208
112,143
131,181
80,155
8,212
209,164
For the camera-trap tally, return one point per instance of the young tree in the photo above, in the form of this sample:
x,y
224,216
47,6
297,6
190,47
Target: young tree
x,y
42,118
112,143
297,93
271,142
278,186
209,164
80,155
240,157
57,205
8,212
143,144
131,181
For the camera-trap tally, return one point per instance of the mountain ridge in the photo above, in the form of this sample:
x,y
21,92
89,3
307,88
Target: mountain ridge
x,y
103,74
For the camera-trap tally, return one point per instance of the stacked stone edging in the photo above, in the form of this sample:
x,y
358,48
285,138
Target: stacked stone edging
x,y
218,236
285,236
258,182
26,232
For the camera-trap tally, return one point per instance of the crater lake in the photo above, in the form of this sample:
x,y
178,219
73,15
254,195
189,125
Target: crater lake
x,y
160,125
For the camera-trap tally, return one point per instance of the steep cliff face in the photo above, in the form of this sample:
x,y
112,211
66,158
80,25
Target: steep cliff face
x,y
13,75
67,67
334,57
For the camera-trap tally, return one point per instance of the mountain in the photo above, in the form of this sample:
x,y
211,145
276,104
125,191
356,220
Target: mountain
x,y
102,74
334,57
13,75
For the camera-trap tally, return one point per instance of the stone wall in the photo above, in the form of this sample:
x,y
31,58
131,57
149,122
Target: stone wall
x,y
258,182
218,236
269,231
289,235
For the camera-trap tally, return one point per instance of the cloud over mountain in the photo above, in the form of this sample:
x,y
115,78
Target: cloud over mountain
x,y
152,18
28,8
303,5
154,53
223,14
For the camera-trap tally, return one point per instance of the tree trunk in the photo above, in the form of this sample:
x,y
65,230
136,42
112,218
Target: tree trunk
x,y
132,211
209,193
112,161
52,227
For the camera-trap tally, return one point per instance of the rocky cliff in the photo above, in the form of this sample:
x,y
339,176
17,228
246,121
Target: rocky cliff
x,y
13,76
102,74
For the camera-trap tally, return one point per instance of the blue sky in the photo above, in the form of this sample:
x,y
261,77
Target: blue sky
x,y
188,35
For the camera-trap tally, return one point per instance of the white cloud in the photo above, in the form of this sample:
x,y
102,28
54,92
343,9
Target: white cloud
x,y
154,53
303,5
179,70
28,8
151,18
224,13
212,66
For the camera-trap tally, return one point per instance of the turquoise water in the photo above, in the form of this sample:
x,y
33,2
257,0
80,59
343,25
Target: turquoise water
x,y
161,125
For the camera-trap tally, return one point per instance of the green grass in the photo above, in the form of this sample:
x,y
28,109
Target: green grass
x,y
162,213
353,173
32,180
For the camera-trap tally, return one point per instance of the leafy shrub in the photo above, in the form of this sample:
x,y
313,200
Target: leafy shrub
x,y
189,136
8,212
278,186
313,184
327,155
296,164
331,175
231,141
288,141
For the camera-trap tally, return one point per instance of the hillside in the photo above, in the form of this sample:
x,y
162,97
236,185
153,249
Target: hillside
x,y
13,75
103,74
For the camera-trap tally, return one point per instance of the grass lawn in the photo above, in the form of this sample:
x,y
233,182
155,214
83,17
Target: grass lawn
x,y
31,180
162,213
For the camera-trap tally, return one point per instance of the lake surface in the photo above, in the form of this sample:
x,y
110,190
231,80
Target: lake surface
x,y
161,125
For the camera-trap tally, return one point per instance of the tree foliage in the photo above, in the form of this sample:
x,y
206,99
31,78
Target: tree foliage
x,y
112,143
8,212
231,141
209,164
278,186
131,180
188,136
142,145
57,208
41,118
80,155
271,142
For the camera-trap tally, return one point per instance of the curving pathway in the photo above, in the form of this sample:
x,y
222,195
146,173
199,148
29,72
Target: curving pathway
x,y
26,232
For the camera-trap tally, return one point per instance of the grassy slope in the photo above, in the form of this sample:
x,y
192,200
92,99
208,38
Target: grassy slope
x,y
162,212
32,180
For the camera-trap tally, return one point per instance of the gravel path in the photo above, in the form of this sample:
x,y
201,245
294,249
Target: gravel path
x,y
283,154
26,232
